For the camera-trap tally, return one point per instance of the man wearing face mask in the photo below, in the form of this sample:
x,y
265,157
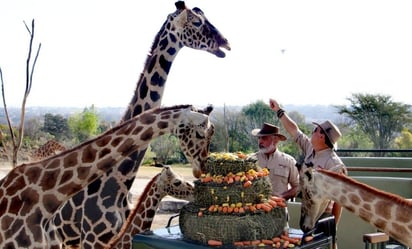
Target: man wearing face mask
x,y
283,173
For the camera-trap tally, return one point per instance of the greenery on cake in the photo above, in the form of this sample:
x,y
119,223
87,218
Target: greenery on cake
x,y
229,162
233,202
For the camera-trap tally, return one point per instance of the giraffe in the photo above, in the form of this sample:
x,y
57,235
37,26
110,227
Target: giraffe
x,y
140,219
50,148
31,193
76,222
387,212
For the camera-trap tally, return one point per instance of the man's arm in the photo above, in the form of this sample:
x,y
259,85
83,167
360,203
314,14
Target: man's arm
x,y
336,211
289,194
289,125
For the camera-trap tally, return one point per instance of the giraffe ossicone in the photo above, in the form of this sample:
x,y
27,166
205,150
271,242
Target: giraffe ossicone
x,y
31,193
140,219
387,212
104,204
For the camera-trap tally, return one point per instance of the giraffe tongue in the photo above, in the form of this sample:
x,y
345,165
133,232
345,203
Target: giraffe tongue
x,y
219,53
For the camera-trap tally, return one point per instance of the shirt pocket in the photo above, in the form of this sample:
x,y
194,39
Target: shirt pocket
x,y
281,170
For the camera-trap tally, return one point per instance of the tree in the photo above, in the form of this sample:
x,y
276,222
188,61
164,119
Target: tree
x,y
56,125
17,139
404,141
253,116
34,134
84,125
380,118
166,148
257,113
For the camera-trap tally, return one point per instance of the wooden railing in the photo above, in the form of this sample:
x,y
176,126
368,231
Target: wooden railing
x,y
379,169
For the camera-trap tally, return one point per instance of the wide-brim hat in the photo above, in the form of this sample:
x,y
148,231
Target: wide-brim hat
x,y
330,130
267,130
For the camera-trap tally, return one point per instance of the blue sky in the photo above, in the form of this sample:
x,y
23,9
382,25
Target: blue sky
x,y
299,52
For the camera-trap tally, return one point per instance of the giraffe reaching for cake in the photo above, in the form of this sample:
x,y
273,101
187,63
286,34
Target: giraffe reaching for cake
x,y
387,212
107,196
167,182
31,193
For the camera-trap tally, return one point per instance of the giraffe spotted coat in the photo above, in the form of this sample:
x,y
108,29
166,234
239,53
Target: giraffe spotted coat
x,y
31,193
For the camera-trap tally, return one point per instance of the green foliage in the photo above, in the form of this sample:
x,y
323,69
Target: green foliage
x,y
404,141
84,125
149,156
167,149
56,125
233,126
354,139
4,137
380,118
257,113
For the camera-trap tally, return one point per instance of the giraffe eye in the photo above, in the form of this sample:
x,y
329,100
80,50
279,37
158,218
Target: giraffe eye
x,y
199,135
197,23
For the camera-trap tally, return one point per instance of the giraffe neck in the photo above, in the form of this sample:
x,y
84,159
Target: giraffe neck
x,y
183,28
31,193
146,207
386,211
141,217
151,84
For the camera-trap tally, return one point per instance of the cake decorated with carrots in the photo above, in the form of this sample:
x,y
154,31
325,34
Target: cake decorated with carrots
x,y
232,203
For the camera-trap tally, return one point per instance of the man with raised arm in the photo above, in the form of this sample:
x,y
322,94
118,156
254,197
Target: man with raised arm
x,y
318,150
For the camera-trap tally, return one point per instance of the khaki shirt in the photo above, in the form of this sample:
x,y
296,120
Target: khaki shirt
x,y
325,159
282,170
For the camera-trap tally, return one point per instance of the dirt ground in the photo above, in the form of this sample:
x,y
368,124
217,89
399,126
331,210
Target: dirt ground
x,y
144,175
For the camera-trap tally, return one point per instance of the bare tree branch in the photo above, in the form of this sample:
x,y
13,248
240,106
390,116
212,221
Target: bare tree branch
x,y
29,80
6,111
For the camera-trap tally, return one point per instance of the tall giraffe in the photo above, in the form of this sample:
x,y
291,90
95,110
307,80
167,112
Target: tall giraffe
x,y
387,212
50,148
167,182
98,212
31,193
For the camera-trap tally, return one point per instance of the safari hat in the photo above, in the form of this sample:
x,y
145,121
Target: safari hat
x,y
268,129
331,131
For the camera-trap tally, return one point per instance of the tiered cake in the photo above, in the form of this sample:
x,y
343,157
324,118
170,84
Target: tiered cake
x,y
232,202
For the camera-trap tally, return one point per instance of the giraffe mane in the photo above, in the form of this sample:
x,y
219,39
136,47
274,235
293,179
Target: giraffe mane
x,y
147,64
376,192
144,194
115,129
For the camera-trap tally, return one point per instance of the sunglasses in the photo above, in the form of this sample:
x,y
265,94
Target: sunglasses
x,y
317,128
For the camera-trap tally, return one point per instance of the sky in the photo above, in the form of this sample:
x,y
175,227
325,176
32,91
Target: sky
x,y
300,52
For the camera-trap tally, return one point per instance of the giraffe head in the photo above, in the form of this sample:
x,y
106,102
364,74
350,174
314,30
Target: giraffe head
x,y
314,202
171,183
195,139
195,31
